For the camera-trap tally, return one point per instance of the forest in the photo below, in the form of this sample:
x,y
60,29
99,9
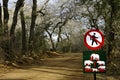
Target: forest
x,y
32,30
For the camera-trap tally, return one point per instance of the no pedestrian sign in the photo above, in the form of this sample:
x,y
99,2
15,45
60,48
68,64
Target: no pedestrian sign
x,y
94,39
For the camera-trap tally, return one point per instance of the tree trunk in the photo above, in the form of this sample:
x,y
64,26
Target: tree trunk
x,y
52,43
24,47
32,26
111,34
59,36
19,4
0,17
6,16
60,30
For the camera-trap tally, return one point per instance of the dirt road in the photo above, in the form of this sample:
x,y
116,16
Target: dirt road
x,y
66,67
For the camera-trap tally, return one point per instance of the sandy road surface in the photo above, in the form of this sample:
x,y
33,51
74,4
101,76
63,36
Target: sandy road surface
x,y
66,67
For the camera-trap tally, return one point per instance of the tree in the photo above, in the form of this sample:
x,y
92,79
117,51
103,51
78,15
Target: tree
x,y
106,12
32,26
24,45
59,25
0,17
114,13
19,4
6,16
55,24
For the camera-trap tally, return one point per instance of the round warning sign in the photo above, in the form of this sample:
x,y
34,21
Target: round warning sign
x,y
94,39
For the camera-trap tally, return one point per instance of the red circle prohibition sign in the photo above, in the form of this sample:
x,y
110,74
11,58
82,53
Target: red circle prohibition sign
x,y
99,42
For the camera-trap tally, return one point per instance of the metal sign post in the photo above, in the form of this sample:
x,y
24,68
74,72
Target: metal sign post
x,y
95,76
95,62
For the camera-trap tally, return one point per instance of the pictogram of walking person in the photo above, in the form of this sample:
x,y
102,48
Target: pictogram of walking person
x,y
93,39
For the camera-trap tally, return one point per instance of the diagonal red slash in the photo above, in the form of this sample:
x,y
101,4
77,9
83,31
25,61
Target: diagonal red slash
x,y
95,39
